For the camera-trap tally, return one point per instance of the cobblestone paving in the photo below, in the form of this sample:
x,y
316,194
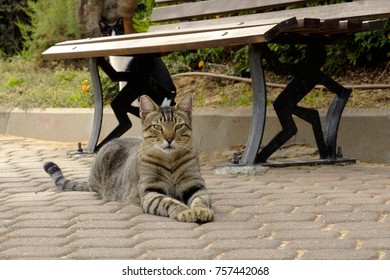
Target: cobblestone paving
x,y
325,212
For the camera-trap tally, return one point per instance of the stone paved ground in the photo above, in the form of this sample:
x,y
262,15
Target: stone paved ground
x,y
326,212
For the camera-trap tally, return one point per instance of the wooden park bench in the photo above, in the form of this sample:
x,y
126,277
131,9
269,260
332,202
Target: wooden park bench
x,y
190,25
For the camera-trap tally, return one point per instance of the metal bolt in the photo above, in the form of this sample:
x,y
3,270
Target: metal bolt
x,y
79,149
235,158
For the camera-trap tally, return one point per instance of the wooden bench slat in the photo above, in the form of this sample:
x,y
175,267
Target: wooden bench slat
x,y
283,25
214,7
361,10
208,39
217,24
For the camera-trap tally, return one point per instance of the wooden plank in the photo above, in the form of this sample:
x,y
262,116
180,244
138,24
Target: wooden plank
x,y
348,25
335,27
217,7
361,10
283,26
371,25
233,22
166,44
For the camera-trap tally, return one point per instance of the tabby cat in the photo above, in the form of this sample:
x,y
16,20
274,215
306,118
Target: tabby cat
x,y
161,169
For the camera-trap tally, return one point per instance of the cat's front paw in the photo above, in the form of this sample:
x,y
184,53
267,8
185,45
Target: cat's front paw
x,y
187,215
204,215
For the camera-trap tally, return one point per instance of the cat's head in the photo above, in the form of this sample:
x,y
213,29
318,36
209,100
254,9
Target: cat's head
x,y
167,128
111,28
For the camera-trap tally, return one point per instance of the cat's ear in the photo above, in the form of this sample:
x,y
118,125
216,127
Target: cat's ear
x,y
146,106
185,104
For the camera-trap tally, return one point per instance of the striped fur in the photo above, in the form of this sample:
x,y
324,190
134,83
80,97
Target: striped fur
x,y
59,180
161,170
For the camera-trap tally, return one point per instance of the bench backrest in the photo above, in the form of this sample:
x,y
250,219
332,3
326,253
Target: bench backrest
x,y
175,14
191,9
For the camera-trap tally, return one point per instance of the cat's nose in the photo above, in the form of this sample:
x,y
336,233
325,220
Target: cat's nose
x,y
169,140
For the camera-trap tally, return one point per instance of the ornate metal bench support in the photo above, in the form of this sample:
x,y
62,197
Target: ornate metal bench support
x,y
306,75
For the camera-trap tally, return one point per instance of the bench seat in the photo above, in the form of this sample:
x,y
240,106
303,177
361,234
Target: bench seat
x,y
164,43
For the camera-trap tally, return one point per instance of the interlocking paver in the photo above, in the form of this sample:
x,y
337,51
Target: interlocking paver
x,y
174,243
234,234
100,242
34,252
316,244
286,226
340,254
180,254
40,232
336,217
294,234
377,243
43,224
254,243
104,253
310,212
259,254
169,233
100,232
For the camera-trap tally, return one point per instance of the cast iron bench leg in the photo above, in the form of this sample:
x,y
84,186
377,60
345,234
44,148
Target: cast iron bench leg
x,y
98,100
306,75
259,106
285,107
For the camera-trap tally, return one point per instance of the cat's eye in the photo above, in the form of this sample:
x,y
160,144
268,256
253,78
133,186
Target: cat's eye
x,y
157,127
179,126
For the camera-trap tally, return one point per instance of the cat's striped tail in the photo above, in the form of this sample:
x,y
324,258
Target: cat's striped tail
x,y
61,182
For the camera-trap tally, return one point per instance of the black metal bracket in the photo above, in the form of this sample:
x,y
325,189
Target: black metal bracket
x,y
306,75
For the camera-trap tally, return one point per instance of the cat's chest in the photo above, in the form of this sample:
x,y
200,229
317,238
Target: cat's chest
x,y
120,63
164,164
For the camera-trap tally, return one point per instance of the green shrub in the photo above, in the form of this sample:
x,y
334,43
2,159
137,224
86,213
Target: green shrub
x,y
52,21
11,11
141,18
362,49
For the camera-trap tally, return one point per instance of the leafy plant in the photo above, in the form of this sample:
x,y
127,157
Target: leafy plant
x,y
10,37
141,18
13,81
51,21
365,48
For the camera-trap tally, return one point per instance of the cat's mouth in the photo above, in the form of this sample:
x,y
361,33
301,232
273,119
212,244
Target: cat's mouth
x,y
168,147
